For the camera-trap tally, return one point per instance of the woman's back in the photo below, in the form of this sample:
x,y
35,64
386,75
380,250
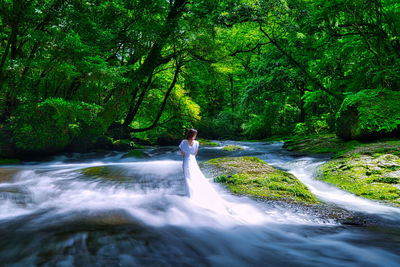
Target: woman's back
x,y
187,148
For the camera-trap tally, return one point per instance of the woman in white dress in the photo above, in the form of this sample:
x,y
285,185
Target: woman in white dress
x,y
189,147
200,191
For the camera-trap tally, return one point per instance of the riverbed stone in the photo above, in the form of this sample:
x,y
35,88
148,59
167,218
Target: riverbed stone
x,y
7,174
253,177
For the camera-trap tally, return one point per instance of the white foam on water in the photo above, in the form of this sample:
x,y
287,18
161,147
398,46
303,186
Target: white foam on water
x,y
227,229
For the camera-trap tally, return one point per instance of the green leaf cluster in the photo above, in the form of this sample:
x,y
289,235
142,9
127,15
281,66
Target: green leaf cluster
x,y
53,124
368,113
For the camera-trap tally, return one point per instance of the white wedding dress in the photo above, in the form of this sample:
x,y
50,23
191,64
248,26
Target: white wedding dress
x,y
200,191
203,194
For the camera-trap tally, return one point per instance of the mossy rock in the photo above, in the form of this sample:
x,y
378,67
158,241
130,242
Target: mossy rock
x,y
107,173
232,148
369,114
135,154
122,144
204,142
253,177
370,171
324,143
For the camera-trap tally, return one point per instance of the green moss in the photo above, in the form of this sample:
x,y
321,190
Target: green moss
x,y
232,148
138,146
366,173
205,142
324,143
135,154
253,177
106,173
9,161
94,171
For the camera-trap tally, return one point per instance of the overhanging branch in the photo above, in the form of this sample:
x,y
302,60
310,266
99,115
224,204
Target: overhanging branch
x,y
178,66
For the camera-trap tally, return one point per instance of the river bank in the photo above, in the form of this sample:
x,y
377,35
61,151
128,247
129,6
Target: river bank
x,y
252,177
369,169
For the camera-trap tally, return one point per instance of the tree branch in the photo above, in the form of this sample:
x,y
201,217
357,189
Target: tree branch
x,y
298,65
163,104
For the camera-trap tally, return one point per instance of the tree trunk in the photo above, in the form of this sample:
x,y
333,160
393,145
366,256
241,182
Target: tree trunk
x,y
162,105
301,106
232,99
152,61
133,109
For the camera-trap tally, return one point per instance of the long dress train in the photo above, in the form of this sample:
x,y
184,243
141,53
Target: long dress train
x,y
200,191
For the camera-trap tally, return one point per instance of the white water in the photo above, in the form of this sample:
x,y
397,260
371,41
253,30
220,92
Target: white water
x,y
220,229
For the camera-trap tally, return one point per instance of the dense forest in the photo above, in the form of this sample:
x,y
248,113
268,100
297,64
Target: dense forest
x,y
76,75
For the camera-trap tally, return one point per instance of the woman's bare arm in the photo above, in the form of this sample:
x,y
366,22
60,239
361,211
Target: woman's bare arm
x,y
183,153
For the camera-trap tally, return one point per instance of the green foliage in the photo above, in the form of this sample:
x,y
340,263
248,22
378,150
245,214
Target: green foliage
x,y
53,124
369,113
245,69
313,125
275,119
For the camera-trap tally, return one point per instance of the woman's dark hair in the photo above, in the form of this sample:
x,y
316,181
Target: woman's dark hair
x,y
191,133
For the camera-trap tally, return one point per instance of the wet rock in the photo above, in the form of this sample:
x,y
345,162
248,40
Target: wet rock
x,y
122,145
107,173
15,194
135,154
6,175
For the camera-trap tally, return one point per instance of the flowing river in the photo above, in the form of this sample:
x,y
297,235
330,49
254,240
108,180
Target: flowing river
x,y
133,212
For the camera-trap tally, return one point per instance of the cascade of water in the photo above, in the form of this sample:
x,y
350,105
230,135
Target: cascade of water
x,y
147,216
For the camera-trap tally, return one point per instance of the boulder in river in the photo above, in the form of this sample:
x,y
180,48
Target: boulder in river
x,y
371,171
253,177
232,148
